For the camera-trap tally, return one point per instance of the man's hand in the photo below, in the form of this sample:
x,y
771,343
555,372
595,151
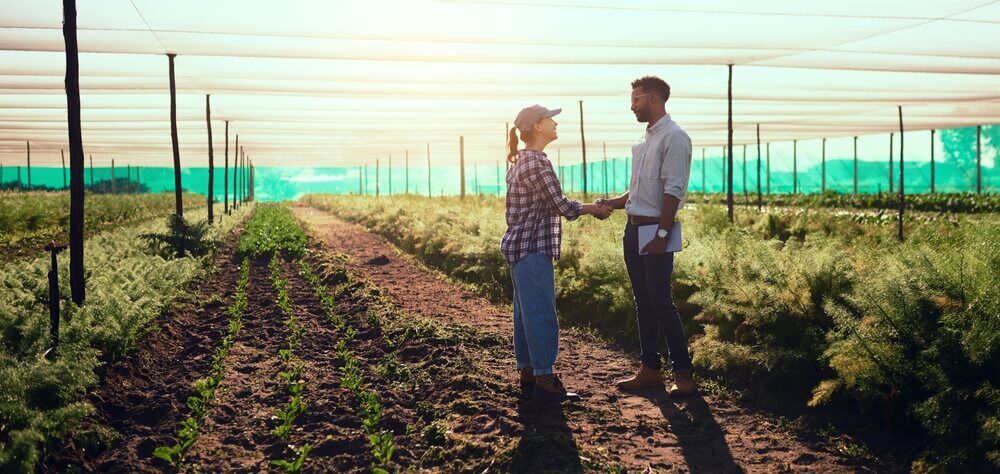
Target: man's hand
x,y
600,211
657,246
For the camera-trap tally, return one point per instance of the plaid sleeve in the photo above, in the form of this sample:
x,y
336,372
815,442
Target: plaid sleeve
x,y
543,178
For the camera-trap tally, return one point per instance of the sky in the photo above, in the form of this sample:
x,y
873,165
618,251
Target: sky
x,y
332,83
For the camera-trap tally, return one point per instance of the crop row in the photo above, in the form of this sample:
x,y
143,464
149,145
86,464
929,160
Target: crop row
x,y
128,287
205,388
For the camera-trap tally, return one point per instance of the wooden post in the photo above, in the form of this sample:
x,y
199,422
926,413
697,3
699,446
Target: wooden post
x,y
225,175
822,185
62,155
583,146
29,165
795,166
902,194
461,163
91,167
76,270
211,160
890,163
760,200
855,165
428,169
979,160
178,199
932,161
377,171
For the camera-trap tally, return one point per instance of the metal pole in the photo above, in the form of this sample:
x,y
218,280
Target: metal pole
x,y
211,161
377,172
979,160
91,167
475,172
361,182
902,194
605,172
76,197
822,186
729,158
128,178
768,157
236,161
932,161
745,197
29,165
703,188
178,200
62,155
583,146
760,201
225,175
113,190
795,166
855,165
461,163
891,136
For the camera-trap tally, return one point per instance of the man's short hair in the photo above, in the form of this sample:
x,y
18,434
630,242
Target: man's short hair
x,y
654,85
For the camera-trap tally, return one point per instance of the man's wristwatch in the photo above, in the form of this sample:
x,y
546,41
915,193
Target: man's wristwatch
x,y
661,233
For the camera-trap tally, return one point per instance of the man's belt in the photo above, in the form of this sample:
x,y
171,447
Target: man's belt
x,y
643,220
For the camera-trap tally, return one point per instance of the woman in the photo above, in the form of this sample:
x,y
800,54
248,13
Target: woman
x,y
534,205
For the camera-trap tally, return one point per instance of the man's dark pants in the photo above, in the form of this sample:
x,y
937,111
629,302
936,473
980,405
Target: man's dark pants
x,y
654,305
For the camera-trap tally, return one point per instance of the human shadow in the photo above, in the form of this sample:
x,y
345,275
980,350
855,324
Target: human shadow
x,y
701,439
546,444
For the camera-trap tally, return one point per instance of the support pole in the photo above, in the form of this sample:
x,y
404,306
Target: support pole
x,y
795,166
225,175
91,167
703,188
178,200
604,145
128,178
902,194
211,161
76,197
855,165
932,161
979,160
377,171
236,161
62,155
745,196
407,169
583,147
760,200
891,187
388,170
29,165
729,157
428,169
113,187
768,158
461,163
822,185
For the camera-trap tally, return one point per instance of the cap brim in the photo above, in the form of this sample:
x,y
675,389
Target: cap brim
x,y
552,113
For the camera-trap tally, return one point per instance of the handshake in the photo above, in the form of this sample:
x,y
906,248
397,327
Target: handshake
x,y
600,208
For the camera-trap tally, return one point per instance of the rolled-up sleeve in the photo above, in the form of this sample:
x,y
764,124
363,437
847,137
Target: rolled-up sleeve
x,y
543,178
676,169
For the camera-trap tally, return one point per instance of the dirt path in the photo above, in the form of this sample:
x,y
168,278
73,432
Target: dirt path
x,y
640,431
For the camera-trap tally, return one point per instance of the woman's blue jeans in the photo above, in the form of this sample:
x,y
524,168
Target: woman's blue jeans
x,y
536,329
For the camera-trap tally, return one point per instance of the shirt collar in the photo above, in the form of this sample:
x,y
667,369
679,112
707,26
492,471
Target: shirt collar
x,y
527,152
659,123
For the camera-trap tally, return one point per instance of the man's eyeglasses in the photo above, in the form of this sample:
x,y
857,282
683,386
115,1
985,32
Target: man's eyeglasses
x,y
635,99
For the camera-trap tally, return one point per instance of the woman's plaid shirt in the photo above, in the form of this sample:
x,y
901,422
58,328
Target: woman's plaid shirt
x,y
534,203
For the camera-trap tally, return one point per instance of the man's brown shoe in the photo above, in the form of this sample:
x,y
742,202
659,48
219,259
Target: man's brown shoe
x,y
549,389
646,377
527,381
683,385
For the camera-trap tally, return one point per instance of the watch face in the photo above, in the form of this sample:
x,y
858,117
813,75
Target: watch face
x,y
661,233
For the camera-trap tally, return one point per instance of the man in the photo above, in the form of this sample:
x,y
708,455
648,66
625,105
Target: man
x,y
661,166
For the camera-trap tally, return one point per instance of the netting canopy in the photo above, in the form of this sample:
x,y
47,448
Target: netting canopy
x,y
331,83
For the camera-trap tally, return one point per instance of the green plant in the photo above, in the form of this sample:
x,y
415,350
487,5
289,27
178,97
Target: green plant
x,y
181,238
295,465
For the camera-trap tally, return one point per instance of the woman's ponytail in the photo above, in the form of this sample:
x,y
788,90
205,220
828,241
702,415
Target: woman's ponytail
x,y
512,145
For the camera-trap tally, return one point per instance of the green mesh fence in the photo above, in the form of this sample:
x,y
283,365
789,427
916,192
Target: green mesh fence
x,y
784,167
